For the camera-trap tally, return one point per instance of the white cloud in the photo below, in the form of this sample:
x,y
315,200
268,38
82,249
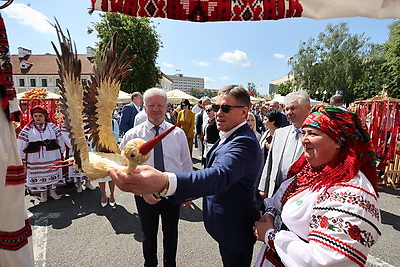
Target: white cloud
x,y
208,80
280,56
237,58
168,65
201,63
224,78
26,15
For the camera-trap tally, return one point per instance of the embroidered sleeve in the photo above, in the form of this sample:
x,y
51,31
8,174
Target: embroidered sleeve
x,y
270,238
344,224
23,141
58,134
273,204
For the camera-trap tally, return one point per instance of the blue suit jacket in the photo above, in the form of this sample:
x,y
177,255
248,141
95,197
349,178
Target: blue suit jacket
x,y
127,119
228,185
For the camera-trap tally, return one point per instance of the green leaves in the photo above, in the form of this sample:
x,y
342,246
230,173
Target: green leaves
x,y
144,40
340,61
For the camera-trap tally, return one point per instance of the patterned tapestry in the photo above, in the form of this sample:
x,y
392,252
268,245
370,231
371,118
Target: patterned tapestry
x,y
249,10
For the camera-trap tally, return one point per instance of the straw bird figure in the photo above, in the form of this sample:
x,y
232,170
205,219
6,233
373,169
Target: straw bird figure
x,y
93,106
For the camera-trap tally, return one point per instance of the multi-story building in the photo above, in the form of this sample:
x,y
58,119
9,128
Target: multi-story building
x,y
274,85
41,71
165,83
186,83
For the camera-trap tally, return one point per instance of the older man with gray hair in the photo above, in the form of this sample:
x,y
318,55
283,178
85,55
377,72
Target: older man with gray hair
x,y
286,147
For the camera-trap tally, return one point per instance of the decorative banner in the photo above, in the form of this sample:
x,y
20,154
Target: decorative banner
x,y
8,96
250,10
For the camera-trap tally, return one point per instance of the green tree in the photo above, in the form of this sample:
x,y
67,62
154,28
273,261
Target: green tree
x,y
391,68
336,61
199,93
145,42
251,87
285,88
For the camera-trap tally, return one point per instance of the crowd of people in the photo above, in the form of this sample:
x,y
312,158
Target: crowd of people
x,y
312,170
301,180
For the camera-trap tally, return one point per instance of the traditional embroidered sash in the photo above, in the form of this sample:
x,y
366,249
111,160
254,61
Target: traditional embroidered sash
x,y
16,240
15,175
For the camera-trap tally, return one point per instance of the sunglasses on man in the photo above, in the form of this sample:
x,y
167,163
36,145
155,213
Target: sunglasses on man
x,y
224,108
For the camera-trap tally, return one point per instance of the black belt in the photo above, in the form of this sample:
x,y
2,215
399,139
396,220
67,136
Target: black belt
x,y
34,147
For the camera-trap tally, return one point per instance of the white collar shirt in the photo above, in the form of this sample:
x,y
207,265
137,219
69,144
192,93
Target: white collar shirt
x,y
137,108
176,151
225,135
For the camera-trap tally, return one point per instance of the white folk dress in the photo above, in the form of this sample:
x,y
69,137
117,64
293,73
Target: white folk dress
x,y
39,177
333,228
73,175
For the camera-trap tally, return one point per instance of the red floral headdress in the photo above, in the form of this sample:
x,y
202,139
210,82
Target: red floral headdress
x,y
357,151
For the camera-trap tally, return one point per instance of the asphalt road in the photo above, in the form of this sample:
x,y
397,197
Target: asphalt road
x,y
77,231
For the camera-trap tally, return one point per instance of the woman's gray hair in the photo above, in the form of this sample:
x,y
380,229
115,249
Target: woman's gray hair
x,y
297,96
154,92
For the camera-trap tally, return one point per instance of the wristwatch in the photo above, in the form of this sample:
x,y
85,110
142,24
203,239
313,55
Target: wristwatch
x,y
164,191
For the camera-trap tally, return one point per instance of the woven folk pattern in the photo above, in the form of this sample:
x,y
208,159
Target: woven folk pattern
x,y
15,175
16,240
204,10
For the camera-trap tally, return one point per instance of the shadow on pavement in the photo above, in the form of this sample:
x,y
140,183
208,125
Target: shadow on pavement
x,y
60,213
390,219
390,191
192,214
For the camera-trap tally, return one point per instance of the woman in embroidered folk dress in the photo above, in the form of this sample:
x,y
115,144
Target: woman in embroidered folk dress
x,y
327,213
73,175
39,147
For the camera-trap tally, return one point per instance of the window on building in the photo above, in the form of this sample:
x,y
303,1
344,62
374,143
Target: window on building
x,y
44,82
33,82
21,82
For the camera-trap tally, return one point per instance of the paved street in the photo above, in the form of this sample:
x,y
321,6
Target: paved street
x,y
77,231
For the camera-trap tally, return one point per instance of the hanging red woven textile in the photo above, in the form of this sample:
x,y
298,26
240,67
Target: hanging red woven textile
x,y
248,10
9,102
384,120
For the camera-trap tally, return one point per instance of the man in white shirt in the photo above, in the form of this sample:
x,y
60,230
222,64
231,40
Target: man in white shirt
x,y
174,156
199,107
227,183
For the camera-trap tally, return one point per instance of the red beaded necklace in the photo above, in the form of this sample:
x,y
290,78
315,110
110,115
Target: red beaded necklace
x,y
306,178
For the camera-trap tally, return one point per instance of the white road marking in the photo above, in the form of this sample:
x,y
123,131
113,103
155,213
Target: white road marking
x,y
39,236
376,262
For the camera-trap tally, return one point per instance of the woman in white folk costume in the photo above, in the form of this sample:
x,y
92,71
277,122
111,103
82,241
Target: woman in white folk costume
x,y
73,175
327,213
40,144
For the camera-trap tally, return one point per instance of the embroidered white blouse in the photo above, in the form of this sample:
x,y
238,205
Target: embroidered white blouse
x,y
335,228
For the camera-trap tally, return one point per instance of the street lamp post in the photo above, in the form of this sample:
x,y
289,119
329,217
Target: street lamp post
x,y
324,93
317,93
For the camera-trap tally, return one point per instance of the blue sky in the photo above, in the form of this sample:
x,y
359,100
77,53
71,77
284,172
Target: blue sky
x,y
221,52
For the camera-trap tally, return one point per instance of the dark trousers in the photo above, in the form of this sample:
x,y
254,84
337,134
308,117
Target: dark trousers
x,y
236,259
149,219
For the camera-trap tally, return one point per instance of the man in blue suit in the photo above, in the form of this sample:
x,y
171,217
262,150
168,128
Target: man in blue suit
x,y
227,183
129,112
